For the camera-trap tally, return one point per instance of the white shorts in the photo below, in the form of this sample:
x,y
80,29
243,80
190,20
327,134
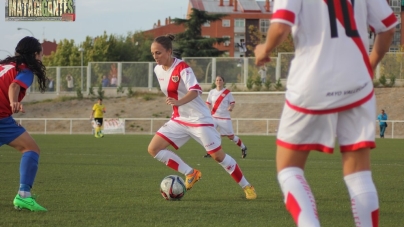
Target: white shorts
x,y
354,129
177,135
224,126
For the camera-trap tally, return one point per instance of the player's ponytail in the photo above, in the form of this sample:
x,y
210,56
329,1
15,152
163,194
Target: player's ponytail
x,y
25,53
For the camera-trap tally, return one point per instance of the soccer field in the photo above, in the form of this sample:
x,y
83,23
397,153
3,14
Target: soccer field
x,y
84,181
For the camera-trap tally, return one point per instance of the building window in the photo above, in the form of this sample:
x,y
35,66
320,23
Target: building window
x,y
226,23
239,23
264,26
206,24
227,42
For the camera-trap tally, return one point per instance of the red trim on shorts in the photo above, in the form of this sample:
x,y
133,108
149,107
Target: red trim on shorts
x,y
222,118
167,139
192,125
375,218
357,146
215,150
305,147
334,110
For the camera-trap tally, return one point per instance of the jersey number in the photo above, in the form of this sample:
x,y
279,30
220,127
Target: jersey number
x,y
346,17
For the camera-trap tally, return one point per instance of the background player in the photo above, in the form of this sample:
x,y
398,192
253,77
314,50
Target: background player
x,y
330,92
221,102
98,115
190,119
16,76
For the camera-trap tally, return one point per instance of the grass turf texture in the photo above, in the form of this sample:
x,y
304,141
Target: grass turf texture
x,y
84,181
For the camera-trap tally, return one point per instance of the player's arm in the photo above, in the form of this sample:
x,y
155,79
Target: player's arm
x,y
13,91
231,106
276,34
92,114
380,47
191,95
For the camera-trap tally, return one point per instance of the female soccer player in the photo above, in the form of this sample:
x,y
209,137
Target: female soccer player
x,y
330,94
221,102
16,75
190,119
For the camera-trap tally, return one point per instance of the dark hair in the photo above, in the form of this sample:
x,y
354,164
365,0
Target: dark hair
x,y
165,41
100,99
25,52
221,78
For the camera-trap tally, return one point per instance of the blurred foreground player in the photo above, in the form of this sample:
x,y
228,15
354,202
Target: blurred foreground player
x,y
16,75
330,93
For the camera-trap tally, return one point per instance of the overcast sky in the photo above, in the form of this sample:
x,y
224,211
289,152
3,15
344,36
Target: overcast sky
x,y
93,17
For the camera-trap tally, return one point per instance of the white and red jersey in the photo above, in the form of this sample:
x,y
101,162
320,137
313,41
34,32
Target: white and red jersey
x,y
331,71
8,75
220,102
175,83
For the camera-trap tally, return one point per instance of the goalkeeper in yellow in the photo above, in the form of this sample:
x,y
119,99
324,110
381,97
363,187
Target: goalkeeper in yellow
x,y
97,114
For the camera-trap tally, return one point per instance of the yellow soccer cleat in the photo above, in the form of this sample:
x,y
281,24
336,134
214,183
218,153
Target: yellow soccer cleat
x,y
250,192
192,178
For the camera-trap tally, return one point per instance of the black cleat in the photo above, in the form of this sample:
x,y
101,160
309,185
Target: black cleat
x,y
206,156
244,152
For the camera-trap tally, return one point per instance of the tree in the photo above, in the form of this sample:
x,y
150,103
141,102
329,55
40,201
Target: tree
x,y
191,43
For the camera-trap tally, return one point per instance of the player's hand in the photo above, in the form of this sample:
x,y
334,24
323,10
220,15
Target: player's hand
x,y
16,107
172,101
230,109
261,56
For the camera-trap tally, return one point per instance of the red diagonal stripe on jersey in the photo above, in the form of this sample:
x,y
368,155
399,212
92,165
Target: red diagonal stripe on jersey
x,y
375,218
293,207
173,84
284,15
219,100
357,40
388,21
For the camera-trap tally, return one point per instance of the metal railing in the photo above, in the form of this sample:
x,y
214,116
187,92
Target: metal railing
x,y
149,126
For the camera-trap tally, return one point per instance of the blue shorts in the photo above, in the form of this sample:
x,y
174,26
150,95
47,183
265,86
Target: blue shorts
x,y
9,130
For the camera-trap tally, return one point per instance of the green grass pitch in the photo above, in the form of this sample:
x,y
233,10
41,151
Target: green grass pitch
x,y
84,181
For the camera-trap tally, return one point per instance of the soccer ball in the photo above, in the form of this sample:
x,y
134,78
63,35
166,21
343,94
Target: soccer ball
x,y
172,187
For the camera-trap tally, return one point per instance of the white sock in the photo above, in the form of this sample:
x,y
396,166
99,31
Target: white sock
x,y
24,194
364,199
238,142
231,166
299,199
173,161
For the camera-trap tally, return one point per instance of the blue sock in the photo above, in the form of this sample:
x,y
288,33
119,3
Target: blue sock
x,y
28,169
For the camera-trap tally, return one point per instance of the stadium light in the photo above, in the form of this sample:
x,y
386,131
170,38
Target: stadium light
x,y
26,30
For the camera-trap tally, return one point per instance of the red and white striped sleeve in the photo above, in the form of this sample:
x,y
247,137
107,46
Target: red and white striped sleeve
x,y
380,16
286,11
190,81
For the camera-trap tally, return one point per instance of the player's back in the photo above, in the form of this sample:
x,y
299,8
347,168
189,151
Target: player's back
x,y
331,68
